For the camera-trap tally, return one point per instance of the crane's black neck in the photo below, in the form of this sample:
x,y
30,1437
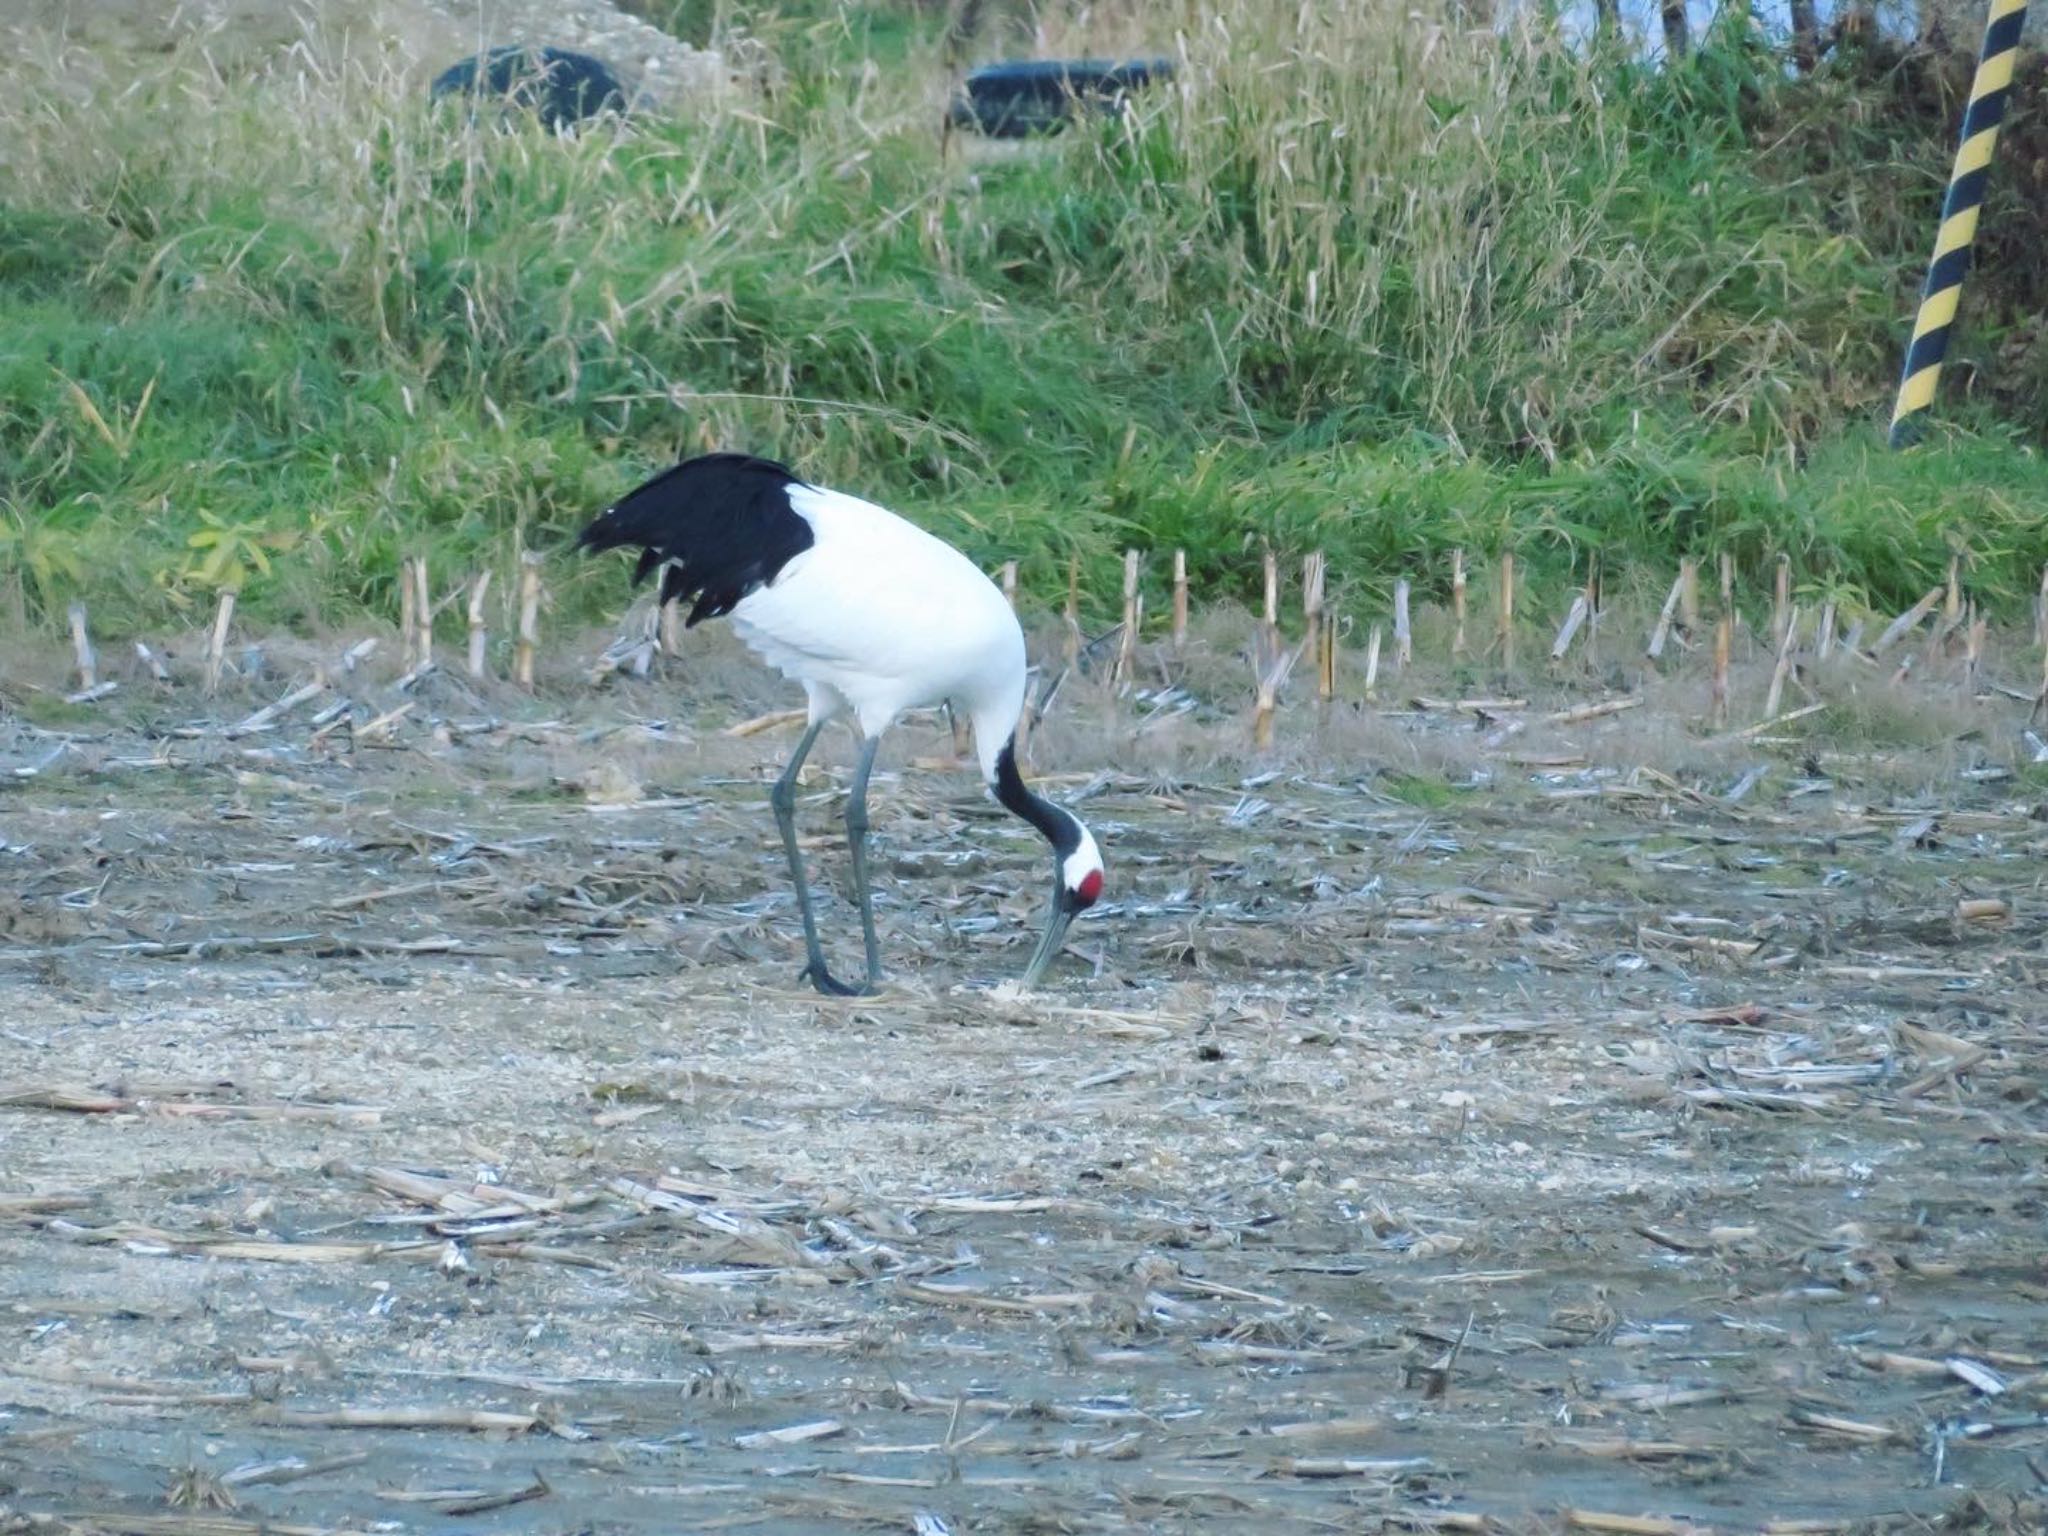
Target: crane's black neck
x,y
1058,827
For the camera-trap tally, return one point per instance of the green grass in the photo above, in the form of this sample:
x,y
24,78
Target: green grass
x,y
1424,794
52,712
1363,287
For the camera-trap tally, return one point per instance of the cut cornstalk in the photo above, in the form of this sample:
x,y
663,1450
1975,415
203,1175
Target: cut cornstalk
x,y
1907,622
1127,643
644,653
1689,596
151,660
529,618
1326,666
1271,662
669,629
1952,595
1593,609
1180,599
1507,611
1312,569
1569,630
1788,643
270,714
423,605
478,637
1267,646
82,652
217,641
1010,583
1662,633
1781,599
2041,701
1973,653
1583,712
408,614
1824,641
1404,638
1724,637
1372,663
1457,603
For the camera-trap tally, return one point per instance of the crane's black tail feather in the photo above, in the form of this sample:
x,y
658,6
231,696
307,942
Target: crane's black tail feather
x,y
720,526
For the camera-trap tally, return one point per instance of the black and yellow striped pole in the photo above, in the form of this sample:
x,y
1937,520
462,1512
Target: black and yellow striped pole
x,y
1944,286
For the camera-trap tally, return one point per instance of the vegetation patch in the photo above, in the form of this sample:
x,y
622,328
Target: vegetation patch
x,y
1352,282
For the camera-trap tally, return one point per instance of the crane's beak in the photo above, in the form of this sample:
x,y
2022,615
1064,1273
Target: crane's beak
x,y
1056,920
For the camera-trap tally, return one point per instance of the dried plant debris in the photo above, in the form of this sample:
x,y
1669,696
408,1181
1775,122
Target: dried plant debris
x,y
1584,1132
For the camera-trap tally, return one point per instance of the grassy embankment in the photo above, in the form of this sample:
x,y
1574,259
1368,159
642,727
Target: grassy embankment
x,y
1371,287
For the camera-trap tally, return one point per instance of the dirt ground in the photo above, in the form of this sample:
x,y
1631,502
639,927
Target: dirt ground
x,y
429,1133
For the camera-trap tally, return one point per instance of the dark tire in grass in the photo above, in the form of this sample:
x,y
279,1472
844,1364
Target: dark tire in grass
x,y
561,88
1030,96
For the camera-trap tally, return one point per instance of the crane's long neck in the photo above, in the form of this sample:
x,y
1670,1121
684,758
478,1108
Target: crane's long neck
x,y
1076,861
1060,828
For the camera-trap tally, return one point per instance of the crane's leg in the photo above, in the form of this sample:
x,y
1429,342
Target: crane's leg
x,y
783,797
857,840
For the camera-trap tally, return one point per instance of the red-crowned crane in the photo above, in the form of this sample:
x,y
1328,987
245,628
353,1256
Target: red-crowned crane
x,y
873,616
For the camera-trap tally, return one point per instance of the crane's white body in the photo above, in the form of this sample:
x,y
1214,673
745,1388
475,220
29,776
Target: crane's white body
x,y
878,617
873,616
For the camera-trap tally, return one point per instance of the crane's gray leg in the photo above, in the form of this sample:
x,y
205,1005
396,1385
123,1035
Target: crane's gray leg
x,y
857,840
782,795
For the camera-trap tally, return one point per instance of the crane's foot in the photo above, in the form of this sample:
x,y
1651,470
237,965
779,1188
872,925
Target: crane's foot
x,y
816,974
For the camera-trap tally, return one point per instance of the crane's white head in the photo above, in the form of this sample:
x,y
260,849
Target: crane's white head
x,y
1076,886
1081,871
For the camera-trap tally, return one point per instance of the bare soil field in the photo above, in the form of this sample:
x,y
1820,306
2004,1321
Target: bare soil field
x,y
426,1131
1503,1117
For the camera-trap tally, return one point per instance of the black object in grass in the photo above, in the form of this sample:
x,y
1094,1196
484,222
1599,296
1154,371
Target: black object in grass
x,y
560,87
1018,99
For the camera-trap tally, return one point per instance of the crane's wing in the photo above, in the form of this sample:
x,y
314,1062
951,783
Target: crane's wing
x,y
720,526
